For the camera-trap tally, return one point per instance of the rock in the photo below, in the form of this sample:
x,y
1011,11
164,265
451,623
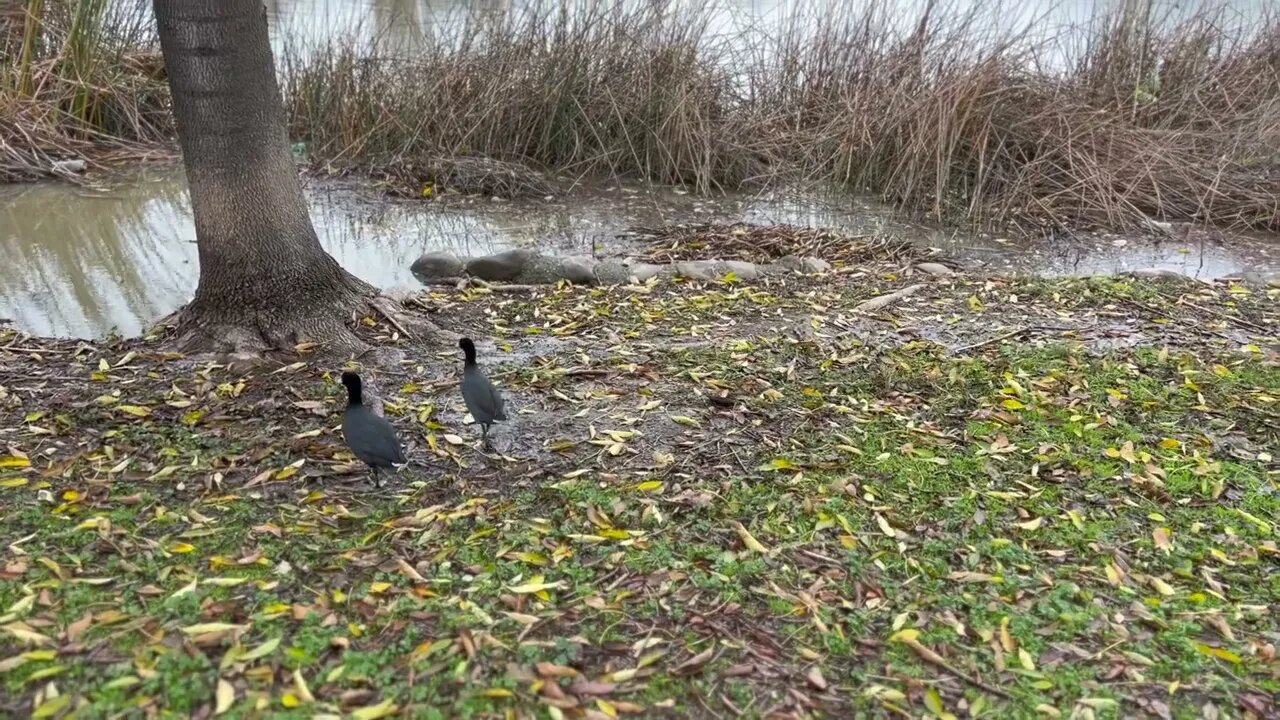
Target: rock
x,y
611,272
540,270
934,268
579,270
501,266
72,166
1154,273
744,270
400,293
641,272
789,262
438,264
697,269
814,266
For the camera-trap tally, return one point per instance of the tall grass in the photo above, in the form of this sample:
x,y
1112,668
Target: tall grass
x,y
943,113
78,79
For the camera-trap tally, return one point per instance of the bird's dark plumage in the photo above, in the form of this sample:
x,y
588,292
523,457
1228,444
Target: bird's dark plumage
x,y
483,400
371,438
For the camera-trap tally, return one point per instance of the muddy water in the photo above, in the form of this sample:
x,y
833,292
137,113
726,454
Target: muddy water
x,y
84,263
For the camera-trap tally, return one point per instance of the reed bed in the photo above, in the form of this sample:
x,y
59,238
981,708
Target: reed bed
x,y
948,113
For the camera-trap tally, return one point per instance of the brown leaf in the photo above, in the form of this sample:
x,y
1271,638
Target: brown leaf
x,y
77,628
694,663
547,669
410,571
582,686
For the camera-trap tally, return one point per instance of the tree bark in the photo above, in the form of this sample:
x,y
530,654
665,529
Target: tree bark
x,y
265,281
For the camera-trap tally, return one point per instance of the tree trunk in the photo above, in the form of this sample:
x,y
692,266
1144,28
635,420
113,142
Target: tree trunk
x,y
265,281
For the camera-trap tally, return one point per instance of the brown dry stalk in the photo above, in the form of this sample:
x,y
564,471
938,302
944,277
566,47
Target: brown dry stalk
x,y
944,114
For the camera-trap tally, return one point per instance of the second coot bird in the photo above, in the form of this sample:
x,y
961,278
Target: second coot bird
x,y
370,437
484,402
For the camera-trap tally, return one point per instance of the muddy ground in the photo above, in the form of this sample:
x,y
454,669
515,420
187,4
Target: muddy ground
x,y
997,497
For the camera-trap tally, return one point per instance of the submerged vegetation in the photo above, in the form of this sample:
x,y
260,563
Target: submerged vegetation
x,y
1135,114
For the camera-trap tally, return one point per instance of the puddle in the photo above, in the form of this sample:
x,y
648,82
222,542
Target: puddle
x,y
85,263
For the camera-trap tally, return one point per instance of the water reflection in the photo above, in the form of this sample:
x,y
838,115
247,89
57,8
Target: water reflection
x,y
82,264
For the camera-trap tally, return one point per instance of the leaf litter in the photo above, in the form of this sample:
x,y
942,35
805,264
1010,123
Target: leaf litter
x,y
712,499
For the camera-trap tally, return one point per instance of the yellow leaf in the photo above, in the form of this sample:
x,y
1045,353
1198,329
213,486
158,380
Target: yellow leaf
x,y
1077,520
778,463
1263,525
379,587
1006,637
1033,524
536,585
224,581
685,420
1220,653
905,635
135,410
1049,710
1012,404
748,539
383,709
300,684
885,527
52,707
498,693
1115,575
290,700
13,482
14,461
27,635
205,628
648,486
181,547
1025,659
933,701
226,696
261,651
1161,586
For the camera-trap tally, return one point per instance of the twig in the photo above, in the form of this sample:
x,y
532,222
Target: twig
x,y
982,684
377,304
1232,318
989,341
876,303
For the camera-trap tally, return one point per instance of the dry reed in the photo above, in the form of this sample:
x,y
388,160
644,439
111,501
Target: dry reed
x,y
943,114
79,80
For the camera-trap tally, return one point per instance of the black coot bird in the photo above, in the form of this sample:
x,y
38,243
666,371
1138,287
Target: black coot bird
x,y
369,436
484,402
